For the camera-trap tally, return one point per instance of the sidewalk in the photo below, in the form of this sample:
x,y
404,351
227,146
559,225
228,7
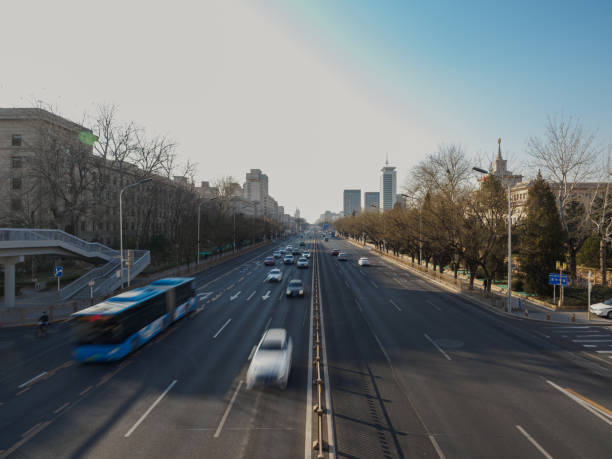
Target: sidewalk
x,y
497,300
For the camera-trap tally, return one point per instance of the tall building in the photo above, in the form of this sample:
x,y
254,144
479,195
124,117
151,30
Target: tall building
x,y
297,213
256,186
388,187
352,202
371,201
499,168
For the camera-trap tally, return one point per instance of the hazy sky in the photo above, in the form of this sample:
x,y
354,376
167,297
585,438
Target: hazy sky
x,y
316,93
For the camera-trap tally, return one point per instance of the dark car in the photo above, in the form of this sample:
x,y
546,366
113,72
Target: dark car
x,y
335,252
269,261
296,252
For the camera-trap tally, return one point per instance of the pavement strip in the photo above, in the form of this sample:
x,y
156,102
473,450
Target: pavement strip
x,y
146,413
233,297
437,347
221,329
29,381
435,305
227,410
533,442
601,412
251,296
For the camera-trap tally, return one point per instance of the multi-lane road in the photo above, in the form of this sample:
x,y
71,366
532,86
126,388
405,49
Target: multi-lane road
x,y
182,395
414,371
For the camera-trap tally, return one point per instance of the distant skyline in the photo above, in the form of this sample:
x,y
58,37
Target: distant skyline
x,y
317,94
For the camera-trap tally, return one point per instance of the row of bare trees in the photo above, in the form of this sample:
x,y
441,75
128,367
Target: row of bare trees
x,y
452,220
74,186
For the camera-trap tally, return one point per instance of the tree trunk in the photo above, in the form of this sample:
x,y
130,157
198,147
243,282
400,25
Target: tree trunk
x,y
603,262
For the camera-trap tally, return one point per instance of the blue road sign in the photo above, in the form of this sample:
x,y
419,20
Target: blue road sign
x,y
58,271
325,226
557,279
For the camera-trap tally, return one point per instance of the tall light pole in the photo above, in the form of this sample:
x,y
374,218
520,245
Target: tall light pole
x,y
139,182
420,227
483,171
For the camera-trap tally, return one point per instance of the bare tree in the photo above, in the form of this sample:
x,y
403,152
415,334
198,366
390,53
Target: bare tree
x,y
567,156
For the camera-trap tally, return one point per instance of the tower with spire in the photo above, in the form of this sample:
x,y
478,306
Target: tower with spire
x,y
499,168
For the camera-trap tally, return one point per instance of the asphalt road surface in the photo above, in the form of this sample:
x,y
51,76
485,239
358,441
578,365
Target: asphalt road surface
x,y
414,371
418,372
181,395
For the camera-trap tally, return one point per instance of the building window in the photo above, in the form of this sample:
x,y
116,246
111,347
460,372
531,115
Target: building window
x,y
82,226
16,204
16,183
16,141
16,162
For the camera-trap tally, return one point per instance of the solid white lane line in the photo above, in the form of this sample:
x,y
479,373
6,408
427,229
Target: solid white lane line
x,y
232,298
597,412
396,306
268,324
604,352
358,305
374,284
32,380
540,334
228,409
151,408
251,296
534,443
435,305
252,352
221,329
589,345
309,386
565,329
434,442
437,347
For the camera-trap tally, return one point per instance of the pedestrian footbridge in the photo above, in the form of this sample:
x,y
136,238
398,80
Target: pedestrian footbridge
x,y
15,243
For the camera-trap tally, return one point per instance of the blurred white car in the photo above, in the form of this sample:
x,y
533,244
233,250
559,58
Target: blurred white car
x,y
276,254
603,309
302,262
271,363
306,254
363,261
275,275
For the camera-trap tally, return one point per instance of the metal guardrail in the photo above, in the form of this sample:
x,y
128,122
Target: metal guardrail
x,y
34,234
74,287
318,409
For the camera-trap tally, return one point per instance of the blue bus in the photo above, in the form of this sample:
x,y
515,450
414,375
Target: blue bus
x,y
112,329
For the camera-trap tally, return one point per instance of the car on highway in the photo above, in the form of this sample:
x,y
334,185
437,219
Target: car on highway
x,y
288,260
276,254
363,261
295,287
275,275
306,254
296,252
335,252
342,256
282,252
603,309
269,261
302,262
326,239
271,362
302,244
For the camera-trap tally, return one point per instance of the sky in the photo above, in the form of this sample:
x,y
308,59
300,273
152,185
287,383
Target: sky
x,y
317,93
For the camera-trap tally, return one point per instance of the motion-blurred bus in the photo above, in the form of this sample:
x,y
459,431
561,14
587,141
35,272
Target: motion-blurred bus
x,y
121,324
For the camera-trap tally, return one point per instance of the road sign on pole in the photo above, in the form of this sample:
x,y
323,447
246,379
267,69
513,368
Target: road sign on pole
x,y
58,272
557,279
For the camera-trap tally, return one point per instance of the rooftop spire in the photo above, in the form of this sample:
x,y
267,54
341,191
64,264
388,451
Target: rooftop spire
x,y
387,161
499,148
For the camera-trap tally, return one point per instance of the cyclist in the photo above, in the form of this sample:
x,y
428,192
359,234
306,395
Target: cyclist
x,y
43,321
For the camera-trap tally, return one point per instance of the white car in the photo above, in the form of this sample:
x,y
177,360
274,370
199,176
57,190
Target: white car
x,y
275,275
306,254
363,261
276,254
271,362
302,262
603,309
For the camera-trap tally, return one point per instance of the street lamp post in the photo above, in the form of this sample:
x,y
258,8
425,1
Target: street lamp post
x,y
139,182
483,171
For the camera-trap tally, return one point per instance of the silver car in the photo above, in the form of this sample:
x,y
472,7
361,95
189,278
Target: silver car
x,y
295,288
275,275
271,363
603,309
